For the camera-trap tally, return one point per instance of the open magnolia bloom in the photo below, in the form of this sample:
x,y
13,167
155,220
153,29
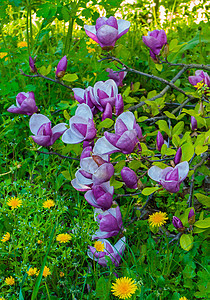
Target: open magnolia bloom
x,y
103,248
200,76
155,40
105,97
170,178
107,31
82,127
94,170
100,195
45,136
126,135
26,104
110,222
83,96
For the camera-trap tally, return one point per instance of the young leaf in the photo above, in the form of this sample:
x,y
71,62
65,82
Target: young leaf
x,y
186,242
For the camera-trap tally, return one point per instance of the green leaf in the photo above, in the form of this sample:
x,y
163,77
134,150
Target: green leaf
x,y
163,149
178,128
200,149
163,126
170,115
107,123
136,87
203,199
66,174
66,115
150,190
159,67
186,242
116,184
187,151
176,140
102,288
203,223
45,71
141,119
70,77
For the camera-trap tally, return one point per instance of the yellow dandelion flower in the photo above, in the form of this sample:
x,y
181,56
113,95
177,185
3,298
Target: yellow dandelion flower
x,y
183,298
5,237
2,298
46,272
63,238
199,85
14,202
62,274
91,42
48,203
99,246
10,281
124,287
39,242
157,219
32,271
2,55
90,50
22,44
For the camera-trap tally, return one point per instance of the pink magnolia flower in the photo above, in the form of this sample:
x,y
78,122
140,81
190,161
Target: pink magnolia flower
x,y
117,77
155,40
170,178
26,104
199,76
129,177
107,31
44,135
84,96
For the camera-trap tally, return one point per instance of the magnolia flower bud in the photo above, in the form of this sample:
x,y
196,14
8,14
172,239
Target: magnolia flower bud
x,y
178,224
178,156
61,67
159,141
191,217
129,177
194,123
32,65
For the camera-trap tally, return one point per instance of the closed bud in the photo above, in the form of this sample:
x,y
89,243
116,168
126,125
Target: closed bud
x,y
61,67
129,177
32,65
178,156
178,224
166,50
159,141
194,123
191,217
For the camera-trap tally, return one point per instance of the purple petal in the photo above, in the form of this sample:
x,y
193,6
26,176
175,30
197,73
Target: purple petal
x,y
107,35
107,114
36,121
123,27
42,140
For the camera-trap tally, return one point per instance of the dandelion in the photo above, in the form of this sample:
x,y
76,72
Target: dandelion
x,y
48,203
183,298
46,272
63,238
22,44
2,298
99,246
2,55
39,242
199,85
62,274
124,287
157,219
32,271
90,50
10,281
5,237
14,202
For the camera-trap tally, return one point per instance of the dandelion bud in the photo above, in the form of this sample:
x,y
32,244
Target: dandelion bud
x,y
178,224
191,217
159,141
61,67
194,124
178,156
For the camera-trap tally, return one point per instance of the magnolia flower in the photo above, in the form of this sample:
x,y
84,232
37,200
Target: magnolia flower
x,y
155,40
191,217
123,140
26,104
104,96
107,31
178,156
32,65
84,96
81,125
100,195
61,67
110,222
170,178
117,77
199,76
194,124
159,141
94,170
178,224
104,248
129,177
45,136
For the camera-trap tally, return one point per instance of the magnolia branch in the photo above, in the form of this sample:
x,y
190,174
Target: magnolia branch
x,y
45,77
58,154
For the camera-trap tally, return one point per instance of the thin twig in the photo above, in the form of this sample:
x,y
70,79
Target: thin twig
x,y
127,195
45,77
60,155
176,238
